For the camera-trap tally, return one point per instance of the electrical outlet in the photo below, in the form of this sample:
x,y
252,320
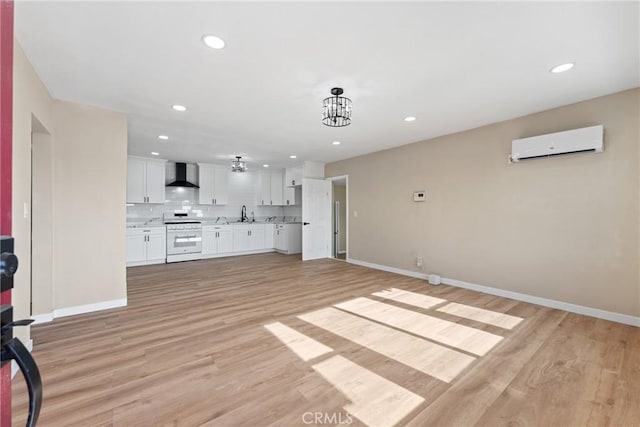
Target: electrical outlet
x,y
419,262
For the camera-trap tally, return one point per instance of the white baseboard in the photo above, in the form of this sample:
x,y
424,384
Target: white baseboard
x,y
42,318
88,308
14,365
228,254
400,271
140,263
545,302
342,252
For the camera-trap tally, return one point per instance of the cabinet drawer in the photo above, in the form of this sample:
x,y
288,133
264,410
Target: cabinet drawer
x,y
146,231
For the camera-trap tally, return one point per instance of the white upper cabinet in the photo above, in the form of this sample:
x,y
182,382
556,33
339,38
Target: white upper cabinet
x,y
214,184
293,176
145,180
276,187
271,190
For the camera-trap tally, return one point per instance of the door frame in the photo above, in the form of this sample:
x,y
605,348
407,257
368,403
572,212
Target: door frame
x,y
6,161
346,217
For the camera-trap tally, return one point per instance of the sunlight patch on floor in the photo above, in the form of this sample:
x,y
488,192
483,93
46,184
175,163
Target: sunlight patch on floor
x,y
410,298
305,347
443,331
432,359
376,401
489,317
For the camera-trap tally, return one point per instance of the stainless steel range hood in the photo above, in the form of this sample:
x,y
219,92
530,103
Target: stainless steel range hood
x,y
181,177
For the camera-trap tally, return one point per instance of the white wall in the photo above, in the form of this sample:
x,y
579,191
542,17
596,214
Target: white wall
x,y
87,148
90,169
30,99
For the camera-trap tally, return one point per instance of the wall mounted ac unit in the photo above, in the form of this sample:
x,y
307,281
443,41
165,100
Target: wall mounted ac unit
x,y
554,144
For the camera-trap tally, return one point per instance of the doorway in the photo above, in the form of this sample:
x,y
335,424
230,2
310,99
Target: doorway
x,y
339,217
41,222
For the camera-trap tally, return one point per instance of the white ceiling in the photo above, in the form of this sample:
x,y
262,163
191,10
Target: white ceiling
x,y
454,66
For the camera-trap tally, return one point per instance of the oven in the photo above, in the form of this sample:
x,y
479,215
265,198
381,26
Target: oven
x,y
184,239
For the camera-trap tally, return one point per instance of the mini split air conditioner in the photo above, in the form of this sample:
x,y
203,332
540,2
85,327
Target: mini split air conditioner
x,y
554,144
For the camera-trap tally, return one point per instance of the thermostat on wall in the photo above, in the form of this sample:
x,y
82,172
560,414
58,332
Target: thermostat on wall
x,y
419,196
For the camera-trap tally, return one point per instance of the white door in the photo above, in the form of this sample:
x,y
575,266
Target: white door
x,y
155,182
316,219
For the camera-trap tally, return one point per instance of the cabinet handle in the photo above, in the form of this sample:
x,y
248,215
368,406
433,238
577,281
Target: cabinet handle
x,y
215,201
271,202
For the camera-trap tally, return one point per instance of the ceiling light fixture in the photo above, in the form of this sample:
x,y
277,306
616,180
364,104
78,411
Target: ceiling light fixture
x,y
562,68
179,107
238,166
410,119
293,156
163,137
214,42
153,153
336,142
336,110
265,166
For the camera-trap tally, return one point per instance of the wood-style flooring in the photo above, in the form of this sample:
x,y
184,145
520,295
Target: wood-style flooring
x,y
267,340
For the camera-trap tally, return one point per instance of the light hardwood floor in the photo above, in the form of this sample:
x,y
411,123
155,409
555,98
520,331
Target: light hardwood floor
x,y
191,348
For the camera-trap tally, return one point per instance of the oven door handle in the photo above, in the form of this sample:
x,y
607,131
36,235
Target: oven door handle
x,y
191,238
15,350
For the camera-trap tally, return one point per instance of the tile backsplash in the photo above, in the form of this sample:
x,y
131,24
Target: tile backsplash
x,y
243,190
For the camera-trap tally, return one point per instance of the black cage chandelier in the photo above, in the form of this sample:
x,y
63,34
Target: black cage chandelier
x,y
238,166
336,110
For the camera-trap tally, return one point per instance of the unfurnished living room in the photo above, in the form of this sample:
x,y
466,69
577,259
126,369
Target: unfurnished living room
x,y
310,213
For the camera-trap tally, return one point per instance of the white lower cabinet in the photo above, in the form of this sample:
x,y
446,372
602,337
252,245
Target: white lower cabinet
x,y
249,237
288,238
217,239
146,245
269,234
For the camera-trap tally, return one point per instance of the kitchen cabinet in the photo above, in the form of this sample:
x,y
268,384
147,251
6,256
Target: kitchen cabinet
x,y
269,234
145,180
146,246
288,238
293,176
248,237
214,184
217,239
271,189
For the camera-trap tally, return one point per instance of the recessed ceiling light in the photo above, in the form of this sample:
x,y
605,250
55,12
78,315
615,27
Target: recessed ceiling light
x,y
265,166
409,119
293,156
336,142
214,42
153,153
562,68
163,137
179,107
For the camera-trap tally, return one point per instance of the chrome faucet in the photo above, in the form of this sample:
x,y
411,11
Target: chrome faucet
x,y
243,217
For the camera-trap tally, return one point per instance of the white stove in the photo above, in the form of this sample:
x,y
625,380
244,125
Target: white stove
x,y
184,237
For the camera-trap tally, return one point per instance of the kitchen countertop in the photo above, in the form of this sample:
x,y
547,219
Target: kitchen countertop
x,y
150,224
